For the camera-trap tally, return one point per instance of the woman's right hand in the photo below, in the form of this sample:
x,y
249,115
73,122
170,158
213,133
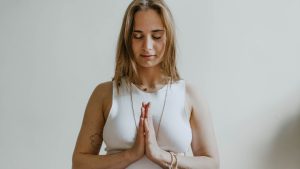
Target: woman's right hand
x,y
138,149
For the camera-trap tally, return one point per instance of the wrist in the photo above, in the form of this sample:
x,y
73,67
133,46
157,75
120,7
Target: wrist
x,y
168,160
131,156
163,157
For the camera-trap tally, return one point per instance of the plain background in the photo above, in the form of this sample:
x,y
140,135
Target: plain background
x,y
244,56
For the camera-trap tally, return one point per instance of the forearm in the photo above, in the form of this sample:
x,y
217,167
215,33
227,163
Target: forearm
x,y
114,161
191,162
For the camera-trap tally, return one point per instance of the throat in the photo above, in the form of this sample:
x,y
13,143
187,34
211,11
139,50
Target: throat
x,y
145,89
150,89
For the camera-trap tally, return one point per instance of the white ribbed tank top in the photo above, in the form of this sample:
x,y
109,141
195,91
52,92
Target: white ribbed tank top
x,y
175,133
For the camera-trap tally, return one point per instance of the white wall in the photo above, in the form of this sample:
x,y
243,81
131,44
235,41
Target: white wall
x,y
243,55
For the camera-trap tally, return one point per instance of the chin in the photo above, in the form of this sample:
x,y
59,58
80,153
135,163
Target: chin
x,y
143,65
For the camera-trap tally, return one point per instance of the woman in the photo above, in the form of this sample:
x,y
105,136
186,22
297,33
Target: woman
x,y
147,116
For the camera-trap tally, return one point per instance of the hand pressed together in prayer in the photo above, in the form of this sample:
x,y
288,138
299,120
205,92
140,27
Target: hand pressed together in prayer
x,y
146,143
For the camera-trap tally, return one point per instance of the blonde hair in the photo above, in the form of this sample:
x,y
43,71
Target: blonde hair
x,y
125,64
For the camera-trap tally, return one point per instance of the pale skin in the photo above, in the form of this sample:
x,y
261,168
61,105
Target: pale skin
x,y
148,43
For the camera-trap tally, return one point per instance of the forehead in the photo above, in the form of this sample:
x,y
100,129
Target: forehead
x,y
147,20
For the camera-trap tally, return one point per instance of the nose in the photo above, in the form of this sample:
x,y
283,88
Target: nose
x,y
148,43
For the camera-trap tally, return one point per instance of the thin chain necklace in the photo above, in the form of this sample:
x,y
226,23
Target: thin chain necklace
x,y
162,112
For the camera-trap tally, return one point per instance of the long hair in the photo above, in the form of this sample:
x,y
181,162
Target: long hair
x,y
125,63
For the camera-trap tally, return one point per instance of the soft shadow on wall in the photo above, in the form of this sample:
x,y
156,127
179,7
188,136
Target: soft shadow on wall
x,y
284,152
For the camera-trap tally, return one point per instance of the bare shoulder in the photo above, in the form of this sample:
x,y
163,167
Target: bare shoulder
x,y
104,89
195,97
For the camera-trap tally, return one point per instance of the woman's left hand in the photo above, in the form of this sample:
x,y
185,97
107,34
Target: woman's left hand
x,y
152,149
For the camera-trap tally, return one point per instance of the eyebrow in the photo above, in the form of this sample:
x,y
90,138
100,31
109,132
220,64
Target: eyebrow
x,y
155,30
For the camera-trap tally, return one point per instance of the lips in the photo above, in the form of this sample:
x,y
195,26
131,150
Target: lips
x,y
146,55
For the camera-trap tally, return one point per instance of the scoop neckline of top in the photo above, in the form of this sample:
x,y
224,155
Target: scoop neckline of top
x,y
157,91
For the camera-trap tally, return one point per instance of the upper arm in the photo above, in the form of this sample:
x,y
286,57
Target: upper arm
x,y
203,139
89,140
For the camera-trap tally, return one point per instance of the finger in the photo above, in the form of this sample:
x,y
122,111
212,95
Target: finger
x,y
148,114
147,110
142,113
146,126
145,113
150,123
148,104
141,123
141,127
148,133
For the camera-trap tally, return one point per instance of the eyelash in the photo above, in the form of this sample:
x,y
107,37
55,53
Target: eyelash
x,y
140,37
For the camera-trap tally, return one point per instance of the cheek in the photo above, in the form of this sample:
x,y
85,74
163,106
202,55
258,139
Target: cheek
x,y
160,47
135,47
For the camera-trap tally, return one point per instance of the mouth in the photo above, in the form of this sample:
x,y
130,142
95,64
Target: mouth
x,y
147,56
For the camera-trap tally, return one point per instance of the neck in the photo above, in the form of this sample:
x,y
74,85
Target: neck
x,y
151,78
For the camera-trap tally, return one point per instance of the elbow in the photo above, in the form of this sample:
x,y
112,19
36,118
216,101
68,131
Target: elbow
x,y
75,161
212,163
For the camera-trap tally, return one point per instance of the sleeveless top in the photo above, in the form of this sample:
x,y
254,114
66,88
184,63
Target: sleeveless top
x,y
120,129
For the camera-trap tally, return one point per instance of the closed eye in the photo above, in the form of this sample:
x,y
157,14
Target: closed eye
x,y
156,37
137,36
141,36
